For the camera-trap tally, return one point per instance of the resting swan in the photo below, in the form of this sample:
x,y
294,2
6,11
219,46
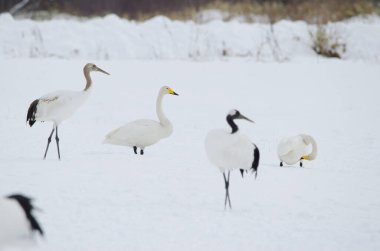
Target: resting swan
x,y
143,132
295,149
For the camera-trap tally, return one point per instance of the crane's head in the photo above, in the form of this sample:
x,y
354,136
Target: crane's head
x,y
167,90
235,114
92,67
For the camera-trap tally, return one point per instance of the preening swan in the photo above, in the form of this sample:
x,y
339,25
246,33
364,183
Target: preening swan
x,y
143,132
17,222
295,149
230,150
60,105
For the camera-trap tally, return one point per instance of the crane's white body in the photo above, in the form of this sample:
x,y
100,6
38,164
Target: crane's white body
x,y
229,151
291,150
143,132
14,226
60,105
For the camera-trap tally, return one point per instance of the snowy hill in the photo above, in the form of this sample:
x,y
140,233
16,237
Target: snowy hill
x,y
160,38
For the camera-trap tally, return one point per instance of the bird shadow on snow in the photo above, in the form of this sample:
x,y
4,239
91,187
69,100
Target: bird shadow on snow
x,y
287,166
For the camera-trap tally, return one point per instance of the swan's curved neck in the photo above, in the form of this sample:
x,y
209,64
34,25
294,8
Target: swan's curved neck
x,y
160,114
88,79
314,151
231,122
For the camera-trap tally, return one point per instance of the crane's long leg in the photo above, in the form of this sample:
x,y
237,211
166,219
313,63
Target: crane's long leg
x,y
228,192
227,184
49,140
57,140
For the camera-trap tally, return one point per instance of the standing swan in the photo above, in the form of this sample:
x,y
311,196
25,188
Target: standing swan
x,y
143,132
296,148
231,150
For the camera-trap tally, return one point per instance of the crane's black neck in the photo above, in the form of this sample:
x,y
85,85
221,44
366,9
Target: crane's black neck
x,y
230,121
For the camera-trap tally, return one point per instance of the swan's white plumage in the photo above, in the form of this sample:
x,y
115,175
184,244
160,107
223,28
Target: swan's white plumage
x,y
14,226
290,150
143,132
229,151
140,133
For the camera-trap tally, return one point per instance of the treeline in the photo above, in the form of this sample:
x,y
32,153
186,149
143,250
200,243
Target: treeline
x,y
94,7
141,9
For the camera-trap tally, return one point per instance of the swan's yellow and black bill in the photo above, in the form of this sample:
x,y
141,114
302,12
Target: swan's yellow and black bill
x,y
305,157
172,92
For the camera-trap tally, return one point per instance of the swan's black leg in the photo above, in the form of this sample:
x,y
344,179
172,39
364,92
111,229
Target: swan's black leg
x,y
281,164
135,149
142,151
49,140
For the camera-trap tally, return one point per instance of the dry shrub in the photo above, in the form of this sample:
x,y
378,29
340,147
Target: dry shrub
x,y
327,43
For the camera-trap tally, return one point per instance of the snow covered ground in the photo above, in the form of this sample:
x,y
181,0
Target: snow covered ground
x,y
112,37
103,197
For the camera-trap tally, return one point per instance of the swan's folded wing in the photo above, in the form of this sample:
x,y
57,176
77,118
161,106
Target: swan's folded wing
x,y
133,129
286,146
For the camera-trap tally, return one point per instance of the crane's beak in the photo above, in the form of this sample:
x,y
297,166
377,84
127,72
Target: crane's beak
x,y
98,69
244,117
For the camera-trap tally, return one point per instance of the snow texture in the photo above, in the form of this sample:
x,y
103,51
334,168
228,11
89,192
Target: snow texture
x,y
104,197
111,37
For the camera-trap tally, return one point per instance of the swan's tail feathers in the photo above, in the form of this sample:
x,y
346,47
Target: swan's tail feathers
x,y
31,116
256,160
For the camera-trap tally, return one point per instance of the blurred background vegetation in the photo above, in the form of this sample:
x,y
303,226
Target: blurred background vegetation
x,y
312,11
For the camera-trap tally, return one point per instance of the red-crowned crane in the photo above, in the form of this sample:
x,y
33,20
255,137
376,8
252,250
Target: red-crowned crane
x,y
231,150
17,222
60,105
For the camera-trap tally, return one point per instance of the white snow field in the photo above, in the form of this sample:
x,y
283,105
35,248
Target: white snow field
x,y
104,197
